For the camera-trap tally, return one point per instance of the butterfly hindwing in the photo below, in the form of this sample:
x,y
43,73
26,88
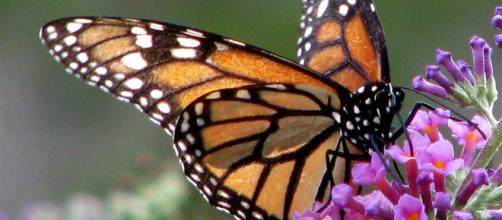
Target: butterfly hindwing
x,y
161,68
343,39
256,154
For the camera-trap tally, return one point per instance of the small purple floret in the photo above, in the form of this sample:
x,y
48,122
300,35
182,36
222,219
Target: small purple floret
x,y
498,40
446,60
495,214
410,207
466,70
433,72
487,52
478,45
479,177
420,84
497,21
457,215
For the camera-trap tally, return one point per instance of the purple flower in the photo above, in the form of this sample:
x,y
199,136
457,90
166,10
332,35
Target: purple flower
x,y
477,45
496,177
497,22
403,155
409,208
457,215
429,122
420,84
373,174
479,177
330,212
433,72
343,196
495,214
376,205
445,59
470,137
443,203
439,158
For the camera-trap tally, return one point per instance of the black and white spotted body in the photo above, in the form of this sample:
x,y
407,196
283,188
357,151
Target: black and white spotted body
x,y
369,112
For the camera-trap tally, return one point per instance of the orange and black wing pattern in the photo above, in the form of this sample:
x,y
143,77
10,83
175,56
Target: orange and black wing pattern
x,y
256,154
343,39
161,68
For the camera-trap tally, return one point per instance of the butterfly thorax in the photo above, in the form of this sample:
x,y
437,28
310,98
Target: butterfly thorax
x,y
367,115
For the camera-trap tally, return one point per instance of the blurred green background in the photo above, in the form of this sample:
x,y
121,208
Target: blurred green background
x,y
59,137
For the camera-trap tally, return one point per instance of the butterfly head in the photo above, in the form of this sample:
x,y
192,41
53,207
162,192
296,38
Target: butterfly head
x,y
368,114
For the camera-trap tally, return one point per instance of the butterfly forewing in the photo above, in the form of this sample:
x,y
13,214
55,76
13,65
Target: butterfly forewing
x,y
256,154
343,39
161,68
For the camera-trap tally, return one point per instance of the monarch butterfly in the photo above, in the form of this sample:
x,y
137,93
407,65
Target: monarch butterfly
x,y
257,134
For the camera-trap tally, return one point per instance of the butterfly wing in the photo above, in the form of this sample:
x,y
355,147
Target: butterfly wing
x,y
343,40
161,68
253,152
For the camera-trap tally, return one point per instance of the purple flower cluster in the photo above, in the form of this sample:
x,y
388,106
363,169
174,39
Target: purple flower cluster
x,y
497,22
427,167
469,86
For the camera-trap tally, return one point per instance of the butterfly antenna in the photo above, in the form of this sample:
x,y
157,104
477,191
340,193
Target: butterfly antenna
x,y
471,123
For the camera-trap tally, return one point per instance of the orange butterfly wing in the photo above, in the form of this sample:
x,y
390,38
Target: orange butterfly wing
x,y
343,40
161,68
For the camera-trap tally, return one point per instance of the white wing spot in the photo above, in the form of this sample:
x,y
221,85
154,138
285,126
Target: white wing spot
x,y
200,122
70,40
53,36
156,26
72,27
190,138
221,46
83,20
143,101
164,107
310,9
352,2
156,94
108,83
134,83
182,53
199,107
58,47
307,46
337,117
356,109
134,61
188,42
343,10
372,6
243,94
376,120
64,54
95,78
349,125
82,57
74,65
126,94
101,70
158,116
194,33
119,76
214,95
83,70
235,42
138,30
308,31
50,29
322,8
144,41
